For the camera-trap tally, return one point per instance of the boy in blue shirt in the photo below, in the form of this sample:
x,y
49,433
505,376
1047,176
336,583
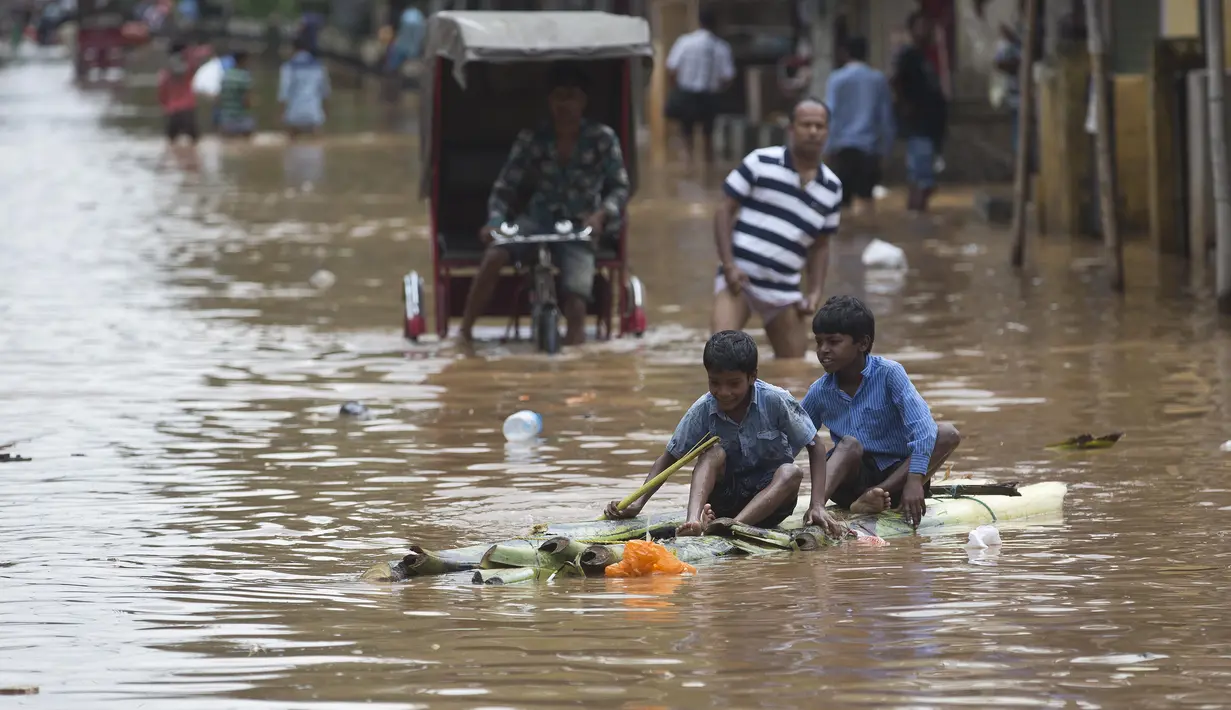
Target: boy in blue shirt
x,y
886,443
750,475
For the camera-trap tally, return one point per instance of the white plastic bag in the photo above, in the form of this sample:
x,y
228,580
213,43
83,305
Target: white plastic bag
x,y
883,255
983,537
208,79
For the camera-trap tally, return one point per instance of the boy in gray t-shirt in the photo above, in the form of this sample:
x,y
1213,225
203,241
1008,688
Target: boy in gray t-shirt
x,y
750,475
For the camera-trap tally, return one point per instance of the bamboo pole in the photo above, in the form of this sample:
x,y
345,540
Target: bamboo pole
x,y
1025,112
1095,13
661,478
1218,150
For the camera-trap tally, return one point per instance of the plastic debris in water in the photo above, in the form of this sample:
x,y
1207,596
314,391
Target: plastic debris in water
x,y
323,279
983,537
643,558
353,409
522,426
883,255
1226,446
866,538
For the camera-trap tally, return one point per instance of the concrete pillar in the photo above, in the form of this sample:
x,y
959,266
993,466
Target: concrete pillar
x,y
1053,13
668,20
820,16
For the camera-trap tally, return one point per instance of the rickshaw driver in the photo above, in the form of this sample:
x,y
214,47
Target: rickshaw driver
x,y
573,169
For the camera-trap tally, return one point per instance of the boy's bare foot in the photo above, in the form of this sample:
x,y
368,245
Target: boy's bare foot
x,y
874,500
693,528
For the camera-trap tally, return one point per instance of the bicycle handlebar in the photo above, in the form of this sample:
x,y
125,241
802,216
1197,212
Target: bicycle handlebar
x,y
509,234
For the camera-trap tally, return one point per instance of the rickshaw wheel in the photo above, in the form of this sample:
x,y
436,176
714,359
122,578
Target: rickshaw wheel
x,y
547,329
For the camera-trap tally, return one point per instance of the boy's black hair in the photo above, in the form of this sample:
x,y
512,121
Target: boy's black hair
x,y
845,315
730,351
240,56
809,100
857,48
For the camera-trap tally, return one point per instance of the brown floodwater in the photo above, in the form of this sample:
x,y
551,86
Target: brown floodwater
x,y
191,528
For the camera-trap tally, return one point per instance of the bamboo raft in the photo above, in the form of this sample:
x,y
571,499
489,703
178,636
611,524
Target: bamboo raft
x,y
588,548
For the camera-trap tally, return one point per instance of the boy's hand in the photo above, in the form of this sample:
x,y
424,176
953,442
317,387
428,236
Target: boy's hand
x,y
817,515
613,512
913,505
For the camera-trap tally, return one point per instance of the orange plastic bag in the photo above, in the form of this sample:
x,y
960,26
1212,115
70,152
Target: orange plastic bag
x,y
643,558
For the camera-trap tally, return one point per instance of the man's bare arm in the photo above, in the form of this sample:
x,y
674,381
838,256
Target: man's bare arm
x,y
818,267
724,230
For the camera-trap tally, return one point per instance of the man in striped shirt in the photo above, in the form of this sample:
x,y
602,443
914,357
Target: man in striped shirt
x,y
779,209
886,443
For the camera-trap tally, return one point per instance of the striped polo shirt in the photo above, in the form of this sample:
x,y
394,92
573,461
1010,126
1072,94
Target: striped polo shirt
x,y
779,221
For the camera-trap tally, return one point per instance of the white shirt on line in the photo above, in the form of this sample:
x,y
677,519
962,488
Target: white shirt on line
x,y
701,61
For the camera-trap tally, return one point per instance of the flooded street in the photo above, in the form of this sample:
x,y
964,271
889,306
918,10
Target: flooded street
x,y
191,528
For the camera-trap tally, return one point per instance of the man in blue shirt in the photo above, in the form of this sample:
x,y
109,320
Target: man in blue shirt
x,y
750,475
886,443
861,125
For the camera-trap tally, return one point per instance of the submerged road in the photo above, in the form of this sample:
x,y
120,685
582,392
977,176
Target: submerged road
x,y
190,529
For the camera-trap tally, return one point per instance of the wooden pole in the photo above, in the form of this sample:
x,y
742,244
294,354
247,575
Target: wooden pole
x,y
1218,150
1025,110
1102,145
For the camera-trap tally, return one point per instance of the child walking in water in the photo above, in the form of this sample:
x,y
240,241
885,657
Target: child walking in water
x,y
303,87
886,443
750,475
175,94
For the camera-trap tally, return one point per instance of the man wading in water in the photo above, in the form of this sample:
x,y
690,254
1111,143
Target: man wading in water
x,y
781,206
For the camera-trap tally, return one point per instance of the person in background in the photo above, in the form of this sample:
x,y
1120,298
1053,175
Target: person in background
x,y
189,12
235,99
303,88
922,112
408,43
22,12
861,129
175,94
701,67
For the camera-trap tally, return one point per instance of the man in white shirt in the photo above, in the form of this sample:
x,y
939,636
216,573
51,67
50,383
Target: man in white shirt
x,y
701,67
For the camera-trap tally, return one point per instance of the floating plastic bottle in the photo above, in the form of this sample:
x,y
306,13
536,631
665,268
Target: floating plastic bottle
x,y
522,426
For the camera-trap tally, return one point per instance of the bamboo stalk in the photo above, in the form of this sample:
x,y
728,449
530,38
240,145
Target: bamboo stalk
x,y
1025,111
667,472
1102,145
509,575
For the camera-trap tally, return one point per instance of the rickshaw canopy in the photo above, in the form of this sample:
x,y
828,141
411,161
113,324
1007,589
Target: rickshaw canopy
x,y
460,38
502,37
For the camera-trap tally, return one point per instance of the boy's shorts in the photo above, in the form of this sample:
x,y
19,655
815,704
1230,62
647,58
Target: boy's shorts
x,y
731,496
869,475
182,123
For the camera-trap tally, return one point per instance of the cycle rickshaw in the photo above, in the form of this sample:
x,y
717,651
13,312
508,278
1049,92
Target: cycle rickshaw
x,y
485,80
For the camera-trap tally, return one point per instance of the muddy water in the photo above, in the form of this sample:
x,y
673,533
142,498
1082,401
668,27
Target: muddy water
x,y
189,532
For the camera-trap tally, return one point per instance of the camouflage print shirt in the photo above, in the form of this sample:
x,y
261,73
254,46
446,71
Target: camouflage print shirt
x,y
593,178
